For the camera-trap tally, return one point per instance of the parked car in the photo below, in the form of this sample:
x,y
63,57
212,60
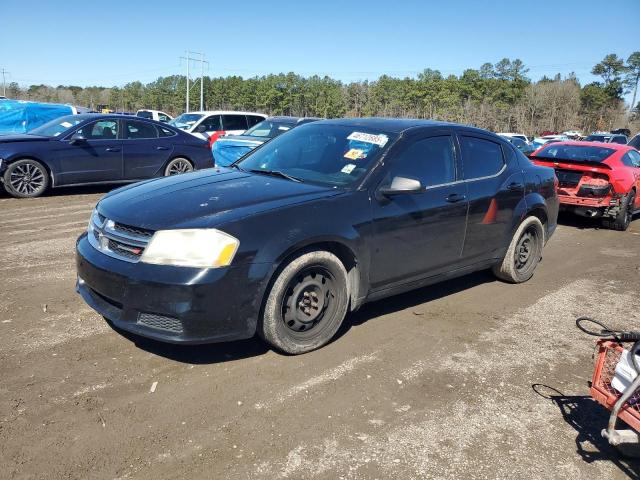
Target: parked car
x,y
17,116
635,142
607,138
156,115
230,148
520,144
314,223
521,136
205,124
595,180
96,148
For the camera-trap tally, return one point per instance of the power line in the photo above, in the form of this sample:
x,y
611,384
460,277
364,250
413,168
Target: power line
x,y
202,61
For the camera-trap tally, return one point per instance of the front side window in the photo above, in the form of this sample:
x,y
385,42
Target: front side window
x,y
186,120
139,130
330,155
480,158
211,124
101,130
234,122
429,160
634,158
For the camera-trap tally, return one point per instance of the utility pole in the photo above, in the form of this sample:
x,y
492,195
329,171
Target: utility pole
x,y
202,61
4,83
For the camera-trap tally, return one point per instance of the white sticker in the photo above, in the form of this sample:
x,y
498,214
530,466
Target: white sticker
x,y
66,124
380,140
348,168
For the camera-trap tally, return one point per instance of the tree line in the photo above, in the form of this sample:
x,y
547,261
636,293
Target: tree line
x,y
498,97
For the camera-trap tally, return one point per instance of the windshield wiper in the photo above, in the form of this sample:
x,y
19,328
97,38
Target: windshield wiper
x,y
276,173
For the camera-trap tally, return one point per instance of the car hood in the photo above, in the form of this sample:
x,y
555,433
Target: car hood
x,y
23,137
204,199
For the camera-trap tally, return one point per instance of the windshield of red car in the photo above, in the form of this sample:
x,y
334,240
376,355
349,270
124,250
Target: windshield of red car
x,y
580,153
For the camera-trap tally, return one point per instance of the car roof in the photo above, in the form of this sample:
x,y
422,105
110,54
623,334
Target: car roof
x,y
612,146
395,125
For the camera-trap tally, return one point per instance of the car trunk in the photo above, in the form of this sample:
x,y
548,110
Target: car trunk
x,y
580,179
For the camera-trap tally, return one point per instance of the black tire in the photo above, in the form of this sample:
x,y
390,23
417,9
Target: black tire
x,y
625,215
306,303
26,179
524,252
177,166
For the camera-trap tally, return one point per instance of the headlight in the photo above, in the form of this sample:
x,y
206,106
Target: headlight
x,y
201,248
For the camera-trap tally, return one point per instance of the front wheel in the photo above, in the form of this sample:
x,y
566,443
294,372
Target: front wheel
x,y
177,166
306,304
26,179
524,252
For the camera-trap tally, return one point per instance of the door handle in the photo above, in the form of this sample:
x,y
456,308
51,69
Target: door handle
x,y
162,148
455,198
515,186
112,149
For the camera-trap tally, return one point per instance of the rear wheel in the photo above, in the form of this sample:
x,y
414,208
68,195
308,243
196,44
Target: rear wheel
x,y
177,166
306,304
26,179
625,215
524,252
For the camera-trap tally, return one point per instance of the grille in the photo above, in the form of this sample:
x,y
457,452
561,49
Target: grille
x,y
141,232
118,240
160,322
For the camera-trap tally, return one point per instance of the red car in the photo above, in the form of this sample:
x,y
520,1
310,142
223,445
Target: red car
x,y
598,180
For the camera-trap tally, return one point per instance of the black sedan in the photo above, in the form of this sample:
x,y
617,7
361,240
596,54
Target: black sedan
x,y
94,148
310,225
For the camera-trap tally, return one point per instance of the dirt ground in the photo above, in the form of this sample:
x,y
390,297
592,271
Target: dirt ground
x,y
472,378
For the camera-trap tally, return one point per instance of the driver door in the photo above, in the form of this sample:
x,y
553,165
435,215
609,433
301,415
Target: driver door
x,y
94,157
416,235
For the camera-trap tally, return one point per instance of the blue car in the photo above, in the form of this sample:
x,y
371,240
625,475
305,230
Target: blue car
x,y
94,148
227,150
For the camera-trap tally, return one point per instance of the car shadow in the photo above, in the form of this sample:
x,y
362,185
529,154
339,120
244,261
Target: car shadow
x,y
414,298
65,191
236,350
588,418
583,223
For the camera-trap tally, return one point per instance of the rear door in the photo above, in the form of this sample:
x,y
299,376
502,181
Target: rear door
x,y
97,158
420,234
233,124
145,152
495,186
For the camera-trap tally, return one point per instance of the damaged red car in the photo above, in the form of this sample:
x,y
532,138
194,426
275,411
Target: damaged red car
x,y
595,179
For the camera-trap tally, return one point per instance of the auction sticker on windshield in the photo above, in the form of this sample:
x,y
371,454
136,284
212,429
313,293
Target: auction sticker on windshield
x,y
355,154
380,140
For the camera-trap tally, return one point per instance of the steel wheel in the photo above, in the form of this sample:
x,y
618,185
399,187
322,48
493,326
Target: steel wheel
x,y
178,166
309,299
26,178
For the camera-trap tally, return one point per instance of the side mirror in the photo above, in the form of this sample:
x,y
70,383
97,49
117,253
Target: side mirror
x,y
77,138
402,185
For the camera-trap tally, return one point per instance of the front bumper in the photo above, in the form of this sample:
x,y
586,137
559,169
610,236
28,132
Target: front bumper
x,y
172,304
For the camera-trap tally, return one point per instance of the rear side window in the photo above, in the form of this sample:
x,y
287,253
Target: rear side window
x,y
430,160
480,158
631,159
139,130
165,132
234,122
253,120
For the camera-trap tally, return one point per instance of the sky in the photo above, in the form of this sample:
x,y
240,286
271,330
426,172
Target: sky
x,y
112,43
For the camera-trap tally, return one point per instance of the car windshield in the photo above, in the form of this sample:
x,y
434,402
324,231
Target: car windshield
x,y
330,155
58,126
269,129
575,153
186,120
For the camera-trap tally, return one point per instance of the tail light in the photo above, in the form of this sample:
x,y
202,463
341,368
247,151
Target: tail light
x,y
215,136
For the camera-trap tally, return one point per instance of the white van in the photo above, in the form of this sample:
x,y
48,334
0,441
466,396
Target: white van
x,y
205,124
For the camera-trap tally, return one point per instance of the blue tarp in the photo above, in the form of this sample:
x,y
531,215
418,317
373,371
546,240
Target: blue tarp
x,y
20,117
